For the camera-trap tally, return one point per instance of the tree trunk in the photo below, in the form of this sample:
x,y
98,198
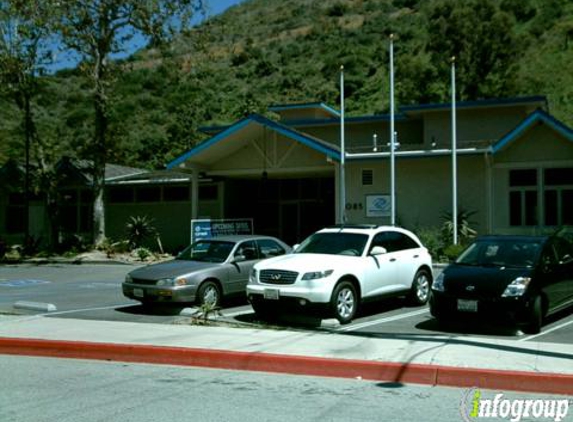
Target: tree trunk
x,y
100,156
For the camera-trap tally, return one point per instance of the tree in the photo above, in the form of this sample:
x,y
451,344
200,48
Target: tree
x,y
99,29
23,54
481,37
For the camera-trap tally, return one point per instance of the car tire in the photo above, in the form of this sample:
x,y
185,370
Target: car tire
x,y
344,302
209,293
421,288
535,318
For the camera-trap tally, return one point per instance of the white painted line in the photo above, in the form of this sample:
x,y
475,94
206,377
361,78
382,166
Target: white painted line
x,y
35,306
565,324
384,320
73,311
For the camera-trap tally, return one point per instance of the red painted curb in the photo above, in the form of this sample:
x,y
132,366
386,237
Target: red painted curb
x,y
300,365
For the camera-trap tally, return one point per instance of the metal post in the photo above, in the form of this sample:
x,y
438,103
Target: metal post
x,y
454,157
342,151
392,138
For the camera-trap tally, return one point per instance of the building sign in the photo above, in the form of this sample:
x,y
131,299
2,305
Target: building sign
x,y
378,205
207,228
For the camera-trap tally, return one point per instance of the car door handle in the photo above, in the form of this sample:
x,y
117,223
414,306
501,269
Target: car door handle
x,y
392,259
416,256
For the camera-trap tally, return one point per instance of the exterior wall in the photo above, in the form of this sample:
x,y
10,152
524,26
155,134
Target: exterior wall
x,y
423,190
539,148
171,218
472,125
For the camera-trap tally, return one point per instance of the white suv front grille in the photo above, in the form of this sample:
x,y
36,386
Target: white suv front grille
x,y
278,277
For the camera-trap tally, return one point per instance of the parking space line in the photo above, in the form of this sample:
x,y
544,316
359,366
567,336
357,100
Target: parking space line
x,y
565,324
383,320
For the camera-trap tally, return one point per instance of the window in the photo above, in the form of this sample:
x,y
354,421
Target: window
x,y
248,250
121,195
394,241
270,248
558,196
523,201
149,194
367,177
175,193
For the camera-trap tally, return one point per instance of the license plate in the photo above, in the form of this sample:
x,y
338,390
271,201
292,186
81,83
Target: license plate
x,y
138,292
467,305
272,294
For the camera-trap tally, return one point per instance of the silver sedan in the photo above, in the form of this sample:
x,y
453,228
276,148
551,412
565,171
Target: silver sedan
x,y
205,272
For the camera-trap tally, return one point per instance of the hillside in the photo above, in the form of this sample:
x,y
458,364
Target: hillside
x,y
265,52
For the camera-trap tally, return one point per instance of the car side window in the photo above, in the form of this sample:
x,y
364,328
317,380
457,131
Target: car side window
x,y
248,249
394,241
270,248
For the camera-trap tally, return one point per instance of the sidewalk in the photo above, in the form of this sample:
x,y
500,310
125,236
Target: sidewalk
x,y
448,360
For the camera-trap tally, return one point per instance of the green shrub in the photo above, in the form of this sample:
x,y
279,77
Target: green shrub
x,y
142,253
451,252
139,229
432,239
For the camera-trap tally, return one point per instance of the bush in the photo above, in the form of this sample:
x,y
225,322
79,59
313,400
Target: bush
x,y
139,229
432,239
142,253
451,252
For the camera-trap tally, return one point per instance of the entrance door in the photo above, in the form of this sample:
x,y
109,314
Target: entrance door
x,y
290,222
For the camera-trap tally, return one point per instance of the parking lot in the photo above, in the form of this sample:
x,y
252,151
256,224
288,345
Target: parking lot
x,y
94,292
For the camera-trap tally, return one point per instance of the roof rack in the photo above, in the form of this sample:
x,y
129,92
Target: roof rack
x,y
353,226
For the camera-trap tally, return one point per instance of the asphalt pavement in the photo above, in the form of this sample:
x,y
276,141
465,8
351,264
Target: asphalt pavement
x,y
450,359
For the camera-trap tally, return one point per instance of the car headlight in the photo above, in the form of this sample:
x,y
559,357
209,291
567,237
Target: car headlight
x,y
253,276
128,279
315,275
438,284
165,282
517,287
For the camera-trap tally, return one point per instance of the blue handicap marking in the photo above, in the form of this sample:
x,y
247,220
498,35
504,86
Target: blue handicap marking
x,y
22,283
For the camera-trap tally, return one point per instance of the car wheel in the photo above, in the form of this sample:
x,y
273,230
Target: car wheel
x,y
421,288
344,302
533,325
209,294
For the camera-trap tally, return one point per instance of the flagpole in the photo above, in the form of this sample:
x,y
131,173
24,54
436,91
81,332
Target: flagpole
x,y
454,157
342,151
392,138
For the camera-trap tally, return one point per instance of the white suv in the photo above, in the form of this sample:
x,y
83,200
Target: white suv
x,y
337,268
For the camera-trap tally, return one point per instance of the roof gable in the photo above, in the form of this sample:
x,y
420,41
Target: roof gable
x,y
312,142
538,116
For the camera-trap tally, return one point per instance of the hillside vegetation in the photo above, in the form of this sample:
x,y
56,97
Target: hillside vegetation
x,y
265,52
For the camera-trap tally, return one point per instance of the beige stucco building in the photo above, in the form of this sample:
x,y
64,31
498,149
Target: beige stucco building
x,y
514,173
514,167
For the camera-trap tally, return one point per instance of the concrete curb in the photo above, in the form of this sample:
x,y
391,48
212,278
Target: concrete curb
x,y
36,306
299,365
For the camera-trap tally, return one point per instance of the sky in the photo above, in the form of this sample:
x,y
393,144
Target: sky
x,y
68,60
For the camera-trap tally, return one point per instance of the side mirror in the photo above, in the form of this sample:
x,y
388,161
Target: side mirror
x,y
378,250
295,247
239,258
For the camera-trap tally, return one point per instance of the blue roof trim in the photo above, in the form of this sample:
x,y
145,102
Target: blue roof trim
x,y
477,103
293,134
537,116
209,142
281,107
357,119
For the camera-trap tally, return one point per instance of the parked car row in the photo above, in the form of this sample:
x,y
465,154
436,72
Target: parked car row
x,y
337,269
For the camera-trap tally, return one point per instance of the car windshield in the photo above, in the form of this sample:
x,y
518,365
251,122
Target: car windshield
x,y
207,251
334,244
501,253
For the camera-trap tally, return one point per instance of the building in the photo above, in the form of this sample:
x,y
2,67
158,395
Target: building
x,y
514,168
